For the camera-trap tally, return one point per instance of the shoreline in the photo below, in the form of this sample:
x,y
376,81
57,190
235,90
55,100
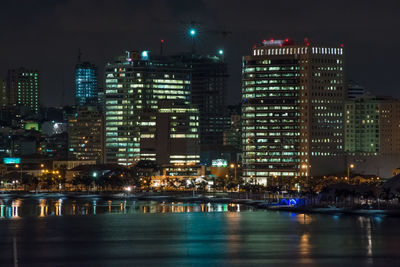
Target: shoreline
x,y
213,198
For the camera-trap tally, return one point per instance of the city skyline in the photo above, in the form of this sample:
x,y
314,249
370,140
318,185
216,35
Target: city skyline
x,y
56,33
202,132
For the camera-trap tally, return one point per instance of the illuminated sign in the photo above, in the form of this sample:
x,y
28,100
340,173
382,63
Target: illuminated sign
x,y
11,160
273,42
32,125
219,163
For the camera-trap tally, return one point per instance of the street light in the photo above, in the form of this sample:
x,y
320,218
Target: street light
x,y
234,166
20,175
351,166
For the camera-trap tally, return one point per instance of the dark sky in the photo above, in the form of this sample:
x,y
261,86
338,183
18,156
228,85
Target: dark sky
x,y
46,34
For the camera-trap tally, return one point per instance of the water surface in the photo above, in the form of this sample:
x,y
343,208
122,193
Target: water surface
x,y
118,232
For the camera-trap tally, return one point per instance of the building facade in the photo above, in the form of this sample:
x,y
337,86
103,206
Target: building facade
x,y
372,126
139,88
86,134
23,88
174,139
3,94
292,111
86,84
354,90
208,91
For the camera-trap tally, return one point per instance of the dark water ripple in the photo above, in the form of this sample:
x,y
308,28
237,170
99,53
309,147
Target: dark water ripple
x,y
98,232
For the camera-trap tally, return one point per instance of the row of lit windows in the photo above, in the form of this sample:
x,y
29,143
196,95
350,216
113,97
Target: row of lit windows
x,y
265,147
268,174
171,81
184,136
271,160
171,92
297,51
275,114
283,81
275,68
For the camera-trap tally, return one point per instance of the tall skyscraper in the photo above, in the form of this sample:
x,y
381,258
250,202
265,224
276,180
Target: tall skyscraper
x,y
23,88
292,112
208,90
86,85
86,134
135,85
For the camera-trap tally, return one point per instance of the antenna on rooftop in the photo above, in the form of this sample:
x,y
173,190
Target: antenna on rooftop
x,y
162,42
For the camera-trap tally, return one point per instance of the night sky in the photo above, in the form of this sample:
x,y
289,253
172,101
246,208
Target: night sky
x,y
47,34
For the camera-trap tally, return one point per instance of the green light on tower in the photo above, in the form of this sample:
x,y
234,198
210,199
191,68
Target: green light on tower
x,y
192,32
221,52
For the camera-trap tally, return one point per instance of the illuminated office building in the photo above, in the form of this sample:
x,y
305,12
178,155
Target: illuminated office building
x,y
86,86
135,86
292,112
23,88
174,139
85,134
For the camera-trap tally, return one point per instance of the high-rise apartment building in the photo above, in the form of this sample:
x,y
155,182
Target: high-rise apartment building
x,y
86,134
86,85
292,112
372,126
136,84
23,88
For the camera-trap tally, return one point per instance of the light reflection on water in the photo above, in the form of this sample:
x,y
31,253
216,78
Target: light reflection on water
x,y
44,207
201,234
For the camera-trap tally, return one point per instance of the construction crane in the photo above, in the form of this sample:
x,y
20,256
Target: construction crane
x,y
194,28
